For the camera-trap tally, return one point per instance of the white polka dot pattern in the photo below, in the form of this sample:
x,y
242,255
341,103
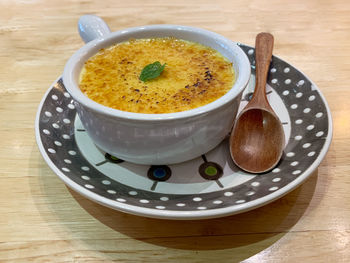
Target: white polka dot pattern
x,y
308,120
287,81
256,184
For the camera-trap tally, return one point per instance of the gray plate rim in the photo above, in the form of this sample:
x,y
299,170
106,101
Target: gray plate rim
x,y
187,215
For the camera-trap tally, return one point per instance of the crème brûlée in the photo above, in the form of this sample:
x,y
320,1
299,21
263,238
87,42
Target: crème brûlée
x,y
194,75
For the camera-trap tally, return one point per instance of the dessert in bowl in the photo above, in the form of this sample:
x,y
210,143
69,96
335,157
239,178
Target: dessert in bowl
x,y
156,133
129,77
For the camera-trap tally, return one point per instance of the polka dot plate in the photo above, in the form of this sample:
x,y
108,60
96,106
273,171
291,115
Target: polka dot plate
x,y
206,187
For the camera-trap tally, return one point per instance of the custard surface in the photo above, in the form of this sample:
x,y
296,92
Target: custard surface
x,y
194,76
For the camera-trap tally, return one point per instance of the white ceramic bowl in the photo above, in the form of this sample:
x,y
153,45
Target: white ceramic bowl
x,y
155,138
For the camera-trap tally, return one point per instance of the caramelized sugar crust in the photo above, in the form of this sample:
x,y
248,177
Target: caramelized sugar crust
x,y
194,76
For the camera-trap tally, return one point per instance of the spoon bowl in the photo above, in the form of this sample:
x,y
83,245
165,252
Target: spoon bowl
x,y
257,138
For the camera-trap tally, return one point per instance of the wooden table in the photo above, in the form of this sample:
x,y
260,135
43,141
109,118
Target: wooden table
x,y
41,220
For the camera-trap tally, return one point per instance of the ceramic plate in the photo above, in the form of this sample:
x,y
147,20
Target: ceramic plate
x,y
207,187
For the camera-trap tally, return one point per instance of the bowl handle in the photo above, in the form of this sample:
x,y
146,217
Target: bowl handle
x,y
91,27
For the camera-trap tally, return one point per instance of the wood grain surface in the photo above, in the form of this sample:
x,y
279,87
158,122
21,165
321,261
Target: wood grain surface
x,y
41,220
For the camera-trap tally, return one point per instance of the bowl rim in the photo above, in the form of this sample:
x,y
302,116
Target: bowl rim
x,y
88,50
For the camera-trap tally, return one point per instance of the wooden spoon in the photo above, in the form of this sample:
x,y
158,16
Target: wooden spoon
x,y
257,138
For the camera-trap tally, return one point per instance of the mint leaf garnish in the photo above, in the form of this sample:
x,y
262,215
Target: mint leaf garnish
x,y
151,71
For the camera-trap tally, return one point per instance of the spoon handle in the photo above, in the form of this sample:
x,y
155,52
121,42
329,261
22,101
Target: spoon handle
x,y
263,54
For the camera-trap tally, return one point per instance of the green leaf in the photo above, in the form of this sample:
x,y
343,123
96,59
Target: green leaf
x,y
151,71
